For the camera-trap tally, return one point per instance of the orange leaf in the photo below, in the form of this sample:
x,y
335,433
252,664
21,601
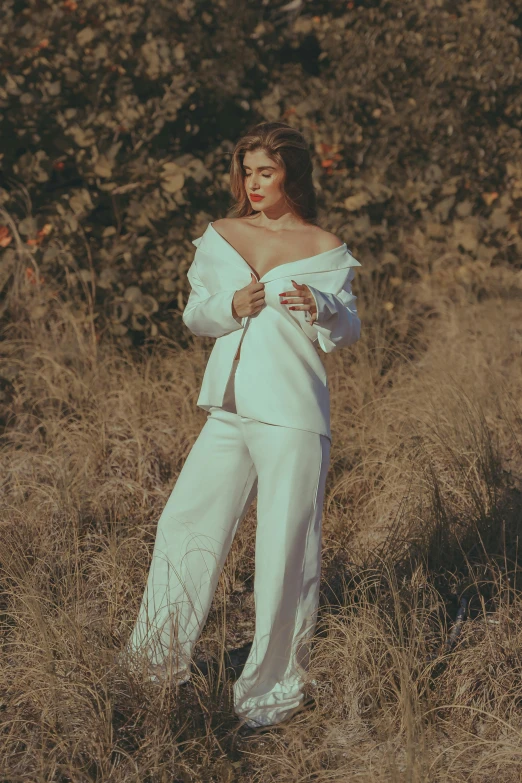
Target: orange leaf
x,y
326,163
489,198
5,236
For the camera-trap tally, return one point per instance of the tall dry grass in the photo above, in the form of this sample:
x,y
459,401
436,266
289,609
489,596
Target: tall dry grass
x,y
423,509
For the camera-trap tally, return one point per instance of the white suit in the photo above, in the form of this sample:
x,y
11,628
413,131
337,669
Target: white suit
x,y
267,434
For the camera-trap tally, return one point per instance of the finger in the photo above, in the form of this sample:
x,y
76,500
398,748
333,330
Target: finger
x,y
258,299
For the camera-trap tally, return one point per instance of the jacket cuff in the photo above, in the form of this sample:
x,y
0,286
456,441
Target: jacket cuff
x,y
227,301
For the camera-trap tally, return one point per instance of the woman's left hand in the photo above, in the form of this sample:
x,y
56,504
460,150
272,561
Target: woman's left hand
x,y
300,299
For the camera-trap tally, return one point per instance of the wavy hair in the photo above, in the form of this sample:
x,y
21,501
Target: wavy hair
x,y
287,147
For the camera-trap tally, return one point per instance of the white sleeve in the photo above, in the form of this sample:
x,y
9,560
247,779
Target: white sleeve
x,y
208,315
337,322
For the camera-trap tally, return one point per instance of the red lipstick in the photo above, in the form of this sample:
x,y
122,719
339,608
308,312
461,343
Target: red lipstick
x,y
255,197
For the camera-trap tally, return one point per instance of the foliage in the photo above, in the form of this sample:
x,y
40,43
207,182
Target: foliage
x,y
118,121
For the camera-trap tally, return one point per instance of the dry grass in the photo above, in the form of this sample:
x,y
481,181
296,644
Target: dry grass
x,y
423,507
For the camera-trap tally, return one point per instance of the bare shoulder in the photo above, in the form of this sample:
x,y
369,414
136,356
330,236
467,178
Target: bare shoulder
x,y
228,226
231,221
326,240
222,222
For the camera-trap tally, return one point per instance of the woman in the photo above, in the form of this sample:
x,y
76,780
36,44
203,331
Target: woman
x,y
270,286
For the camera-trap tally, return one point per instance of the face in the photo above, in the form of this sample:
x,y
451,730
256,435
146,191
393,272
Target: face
x,y
263,178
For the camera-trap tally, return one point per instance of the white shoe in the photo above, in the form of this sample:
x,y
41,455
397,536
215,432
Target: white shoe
x,y
256,723
159,673
156,673
262,721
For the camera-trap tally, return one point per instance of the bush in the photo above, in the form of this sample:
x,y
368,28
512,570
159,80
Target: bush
x,y
118,121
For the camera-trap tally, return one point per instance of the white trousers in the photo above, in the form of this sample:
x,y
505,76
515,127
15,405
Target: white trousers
x,y
233,459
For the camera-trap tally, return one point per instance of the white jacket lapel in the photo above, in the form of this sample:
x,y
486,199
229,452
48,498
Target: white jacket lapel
x,y
221,267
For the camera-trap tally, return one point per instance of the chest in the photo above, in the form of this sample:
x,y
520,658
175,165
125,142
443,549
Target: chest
x,y
264,253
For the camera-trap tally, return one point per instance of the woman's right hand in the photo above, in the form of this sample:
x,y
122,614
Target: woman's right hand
x,y
248,300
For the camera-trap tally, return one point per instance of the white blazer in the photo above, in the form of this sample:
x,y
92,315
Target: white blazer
x,y
280,378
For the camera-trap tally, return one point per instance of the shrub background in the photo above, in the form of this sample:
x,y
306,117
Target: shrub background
x,y
117,122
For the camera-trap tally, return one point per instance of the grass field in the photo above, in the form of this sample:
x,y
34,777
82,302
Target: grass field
x,y
423,508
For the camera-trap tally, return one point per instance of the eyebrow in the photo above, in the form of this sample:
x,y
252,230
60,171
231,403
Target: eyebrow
x,y
259,168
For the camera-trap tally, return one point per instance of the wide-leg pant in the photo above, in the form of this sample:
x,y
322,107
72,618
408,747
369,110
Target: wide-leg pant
x,y
233,459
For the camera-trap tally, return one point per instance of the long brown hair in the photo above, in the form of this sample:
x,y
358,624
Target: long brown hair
x,y
288,148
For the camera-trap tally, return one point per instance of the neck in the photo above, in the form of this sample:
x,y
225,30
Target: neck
x,y
278,220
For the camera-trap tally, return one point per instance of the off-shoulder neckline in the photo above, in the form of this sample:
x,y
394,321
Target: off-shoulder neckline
x,y
285,263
